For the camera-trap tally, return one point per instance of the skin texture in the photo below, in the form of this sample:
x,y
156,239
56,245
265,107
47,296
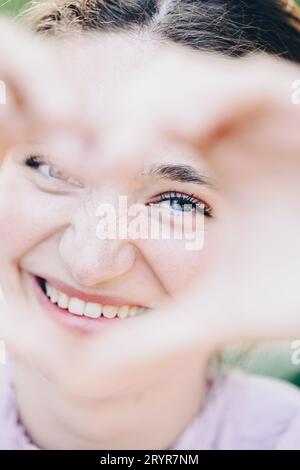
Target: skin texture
x,y
234,139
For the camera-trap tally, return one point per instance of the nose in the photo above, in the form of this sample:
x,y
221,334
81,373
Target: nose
x,y
89,259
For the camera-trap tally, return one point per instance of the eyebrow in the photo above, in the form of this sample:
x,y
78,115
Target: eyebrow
x,y
178,172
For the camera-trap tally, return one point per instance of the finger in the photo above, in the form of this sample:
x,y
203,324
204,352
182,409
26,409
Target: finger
x,y
40,100
173,98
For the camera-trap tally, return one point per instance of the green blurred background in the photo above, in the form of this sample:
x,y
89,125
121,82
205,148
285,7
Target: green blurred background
x,y
271,359
11,6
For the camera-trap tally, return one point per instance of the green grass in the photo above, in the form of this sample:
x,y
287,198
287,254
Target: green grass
x,y
11,6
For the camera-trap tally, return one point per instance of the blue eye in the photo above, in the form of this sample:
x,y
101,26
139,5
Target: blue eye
x,y
180,202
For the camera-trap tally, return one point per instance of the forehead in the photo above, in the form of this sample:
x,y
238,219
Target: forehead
x,y
104,61
101,65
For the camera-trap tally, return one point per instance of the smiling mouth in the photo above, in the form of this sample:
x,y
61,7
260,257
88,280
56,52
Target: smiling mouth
x,y
81,308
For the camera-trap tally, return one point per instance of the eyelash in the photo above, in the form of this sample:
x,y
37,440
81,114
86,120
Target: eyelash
x,y
35,162
184,199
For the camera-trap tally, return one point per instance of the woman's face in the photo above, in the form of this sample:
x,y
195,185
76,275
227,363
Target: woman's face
x,y
53,256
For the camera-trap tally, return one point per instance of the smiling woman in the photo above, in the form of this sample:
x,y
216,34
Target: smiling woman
x,y
77,290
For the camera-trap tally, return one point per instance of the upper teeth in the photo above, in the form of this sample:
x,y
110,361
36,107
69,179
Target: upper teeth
x,y
89,309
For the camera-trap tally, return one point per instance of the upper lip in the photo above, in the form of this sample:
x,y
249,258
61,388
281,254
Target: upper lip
x,y
86,297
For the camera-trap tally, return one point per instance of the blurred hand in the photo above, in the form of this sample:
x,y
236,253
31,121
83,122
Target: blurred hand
x,y
238,114
37,101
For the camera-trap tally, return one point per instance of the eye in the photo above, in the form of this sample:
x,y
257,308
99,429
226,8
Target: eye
x,y
180,202
48,170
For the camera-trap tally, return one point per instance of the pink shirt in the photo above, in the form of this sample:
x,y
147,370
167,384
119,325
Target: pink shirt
x,y
240,412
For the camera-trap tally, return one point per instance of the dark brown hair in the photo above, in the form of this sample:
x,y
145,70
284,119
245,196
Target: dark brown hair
x,y
230,27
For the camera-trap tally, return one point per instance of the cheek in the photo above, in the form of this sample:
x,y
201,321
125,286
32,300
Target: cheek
x,y
175,266
27,216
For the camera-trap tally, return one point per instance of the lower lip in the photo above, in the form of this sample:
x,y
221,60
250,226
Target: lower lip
x,y
78,323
